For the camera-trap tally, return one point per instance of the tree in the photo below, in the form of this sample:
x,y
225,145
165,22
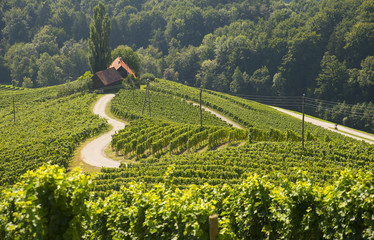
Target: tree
x,y
45,41
21,61
15,26
73,59
333,78
48,74
237,81
171,74
366,78
99,49
207,74
261,81
27,83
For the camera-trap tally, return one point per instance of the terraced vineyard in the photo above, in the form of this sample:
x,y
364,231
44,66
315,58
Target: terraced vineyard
x,y
47,129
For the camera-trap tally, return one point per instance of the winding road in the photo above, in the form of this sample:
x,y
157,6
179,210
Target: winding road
x,y
349,132
93,152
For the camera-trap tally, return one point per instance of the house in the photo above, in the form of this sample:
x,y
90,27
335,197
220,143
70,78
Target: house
x,y
113,75
106,78
122,67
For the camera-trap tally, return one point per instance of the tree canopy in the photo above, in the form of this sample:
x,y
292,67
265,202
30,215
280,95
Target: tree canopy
x,y
280,47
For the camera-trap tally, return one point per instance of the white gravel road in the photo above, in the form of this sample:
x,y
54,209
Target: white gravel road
x,y
93,153
331,126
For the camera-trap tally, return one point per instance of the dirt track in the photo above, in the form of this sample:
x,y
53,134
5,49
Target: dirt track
x,y
93,153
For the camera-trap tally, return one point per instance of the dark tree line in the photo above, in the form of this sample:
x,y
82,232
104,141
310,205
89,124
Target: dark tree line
x,y
266,47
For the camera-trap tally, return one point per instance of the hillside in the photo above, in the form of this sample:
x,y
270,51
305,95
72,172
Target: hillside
x,y
47,129
258,180
274,148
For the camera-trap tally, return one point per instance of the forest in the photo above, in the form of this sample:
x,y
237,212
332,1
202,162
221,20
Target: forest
x,y
324,49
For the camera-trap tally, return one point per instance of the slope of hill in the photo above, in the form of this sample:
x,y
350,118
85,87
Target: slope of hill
x,y
47,128
272,146
247,206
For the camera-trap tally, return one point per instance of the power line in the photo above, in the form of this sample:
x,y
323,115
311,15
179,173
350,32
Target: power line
x,y
296,101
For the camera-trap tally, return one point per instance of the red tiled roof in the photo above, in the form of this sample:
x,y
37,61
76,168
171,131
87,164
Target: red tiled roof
x,y
118,63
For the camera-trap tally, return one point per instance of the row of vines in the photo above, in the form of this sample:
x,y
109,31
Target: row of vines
x,y
146,137
278,160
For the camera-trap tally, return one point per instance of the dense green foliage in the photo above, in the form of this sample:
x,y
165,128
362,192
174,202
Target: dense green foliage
x,y
322,48
49,203
47,128
129,104
46,204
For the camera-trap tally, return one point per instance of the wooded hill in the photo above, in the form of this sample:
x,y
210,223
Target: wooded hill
x,y
323,48
254,47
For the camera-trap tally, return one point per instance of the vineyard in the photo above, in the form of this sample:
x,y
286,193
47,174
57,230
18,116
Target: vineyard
x,y
47,128
9,88
278,160
258,180
245,112
272,142
146,137
128,105
253,209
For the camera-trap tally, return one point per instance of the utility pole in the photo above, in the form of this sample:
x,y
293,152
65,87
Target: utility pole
x,y
147,99
14,112
201,110
302,134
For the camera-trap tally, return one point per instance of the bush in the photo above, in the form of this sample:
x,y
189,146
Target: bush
x,y
145,76
82,84
46,204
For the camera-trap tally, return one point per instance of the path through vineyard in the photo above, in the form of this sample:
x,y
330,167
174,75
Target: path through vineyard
x,y
93,153
223,118
331,126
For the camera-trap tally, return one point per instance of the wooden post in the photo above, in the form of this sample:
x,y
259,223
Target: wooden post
x,y
201,111
14,112
147,100
302,134
213,227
